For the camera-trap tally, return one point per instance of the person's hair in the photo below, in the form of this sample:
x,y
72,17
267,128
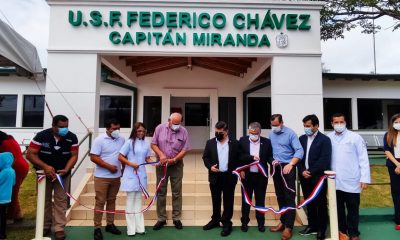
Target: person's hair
x,y
279,116
255,126
136,126
112,121
59,118
391,136
4,136
313,118
338,115
221,125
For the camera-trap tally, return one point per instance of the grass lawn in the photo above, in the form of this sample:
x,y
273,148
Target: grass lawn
x,y
376,196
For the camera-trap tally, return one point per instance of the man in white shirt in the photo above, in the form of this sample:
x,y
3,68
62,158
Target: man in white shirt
x,y
351,164
104,153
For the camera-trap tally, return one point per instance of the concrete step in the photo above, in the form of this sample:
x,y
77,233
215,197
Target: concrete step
x,y
190,186
189,212
187,198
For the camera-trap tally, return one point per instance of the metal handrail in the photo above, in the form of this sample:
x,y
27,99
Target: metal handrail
x,y
89,137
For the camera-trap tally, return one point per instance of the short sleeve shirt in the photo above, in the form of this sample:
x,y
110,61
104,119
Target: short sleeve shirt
x,y
135,151
52,152
108,149
171,142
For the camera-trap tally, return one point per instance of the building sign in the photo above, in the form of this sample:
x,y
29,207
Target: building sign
x,y
155,28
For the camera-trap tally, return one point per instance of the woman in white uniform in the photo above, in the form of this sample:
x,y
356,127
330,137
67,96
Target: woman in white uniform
x,y
134,152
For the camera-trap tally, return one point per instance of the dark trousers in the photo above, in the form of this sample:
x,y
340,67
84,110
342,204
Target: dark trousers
x,y
3,220
351,202
257,183
286,198
395,189
225,186
317,210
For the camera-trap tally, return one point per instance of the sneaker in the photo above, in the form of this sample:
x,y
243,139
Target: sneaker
x,y
343,236
178,224
97,234
159,225
397,227
111,228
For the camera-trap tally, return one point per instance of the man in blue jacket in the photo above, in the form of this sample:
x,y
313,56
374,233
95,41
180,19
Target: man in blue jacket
x,y
317,158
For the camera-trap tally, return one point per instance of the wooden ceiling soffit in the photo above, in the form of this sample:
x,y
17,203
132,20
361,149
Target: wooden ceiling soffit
x,y
205,63
241,68
165,64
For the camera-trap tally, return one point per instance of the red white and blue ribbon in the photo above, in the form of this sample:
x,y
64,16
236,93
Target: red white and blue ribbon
x,y
149,205
247,199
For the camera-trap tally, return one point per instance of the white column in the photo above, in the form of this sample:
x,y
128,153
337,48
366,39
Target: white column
x,y
72,89
354,113
296,89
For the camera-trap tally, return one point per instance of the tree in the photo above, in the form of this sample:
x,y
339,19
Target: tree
x,y
338,16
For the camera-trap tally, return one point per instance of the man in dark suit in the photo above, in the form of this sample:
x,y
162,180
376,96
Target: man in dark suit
x,y
317,158
221,158
254,148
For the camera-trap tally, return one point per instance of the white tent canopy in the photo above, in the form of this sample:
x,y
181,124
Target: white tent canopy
x,y
18,50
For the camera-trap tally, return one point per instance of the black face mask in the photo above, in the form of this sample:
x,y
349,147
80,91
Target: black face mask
x,y
219,136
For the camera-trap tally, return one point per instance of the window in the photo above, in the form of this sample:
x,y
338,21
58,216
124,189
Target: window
x,y
197,114
337,105
151,113
8,110
33,112
376,113
118,107
259,110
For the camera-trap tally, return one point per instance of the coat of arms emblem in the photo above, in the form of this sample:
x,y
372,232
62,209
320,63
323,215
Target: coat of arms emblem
x,y
282,40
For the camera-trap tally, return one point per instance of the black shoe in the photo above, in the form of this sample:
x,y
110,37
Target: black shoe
x,y
261,228
320,236
97,234
244,228
308,231
226,231
159,225
46,232
178,224
113,229
210,225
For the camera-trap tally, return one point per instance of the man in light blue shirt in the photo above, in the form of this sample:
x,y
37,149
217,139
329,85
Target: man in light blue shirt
x,y
351,164
287,152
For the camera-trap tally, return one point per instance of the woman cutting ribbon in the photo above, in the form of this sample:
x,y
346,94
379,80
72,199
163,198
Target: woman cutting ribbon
x,y
133,153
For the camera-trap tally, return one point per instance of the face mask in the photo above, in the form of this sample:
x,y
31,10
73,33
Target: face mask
x,y
396,126
339,127
62,131
219,136
175,127
115,134
276,129
254,137
308,131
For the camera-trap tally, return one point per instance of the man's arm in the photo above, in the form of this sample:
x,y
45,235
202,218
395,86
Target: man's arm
x,y
160,154
33,156
363,162
178,157
70,164
98,161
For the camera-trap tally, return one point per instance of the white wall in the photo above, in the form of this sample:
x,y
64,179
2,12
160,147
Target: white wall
x,y
21,86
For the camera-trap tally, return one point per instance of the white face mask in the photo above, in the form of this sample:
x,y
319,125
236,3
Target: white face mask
x,y
254,137
115,134
276,129
339,127
396,126
175,127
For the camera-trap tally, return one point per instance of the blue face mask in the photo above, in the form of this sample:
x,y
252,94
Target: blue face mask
x,y
62,131
308,131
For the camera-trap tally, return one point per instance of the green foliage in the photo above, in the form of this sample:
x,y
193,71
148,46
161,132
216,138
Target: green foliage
x,y
338,16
